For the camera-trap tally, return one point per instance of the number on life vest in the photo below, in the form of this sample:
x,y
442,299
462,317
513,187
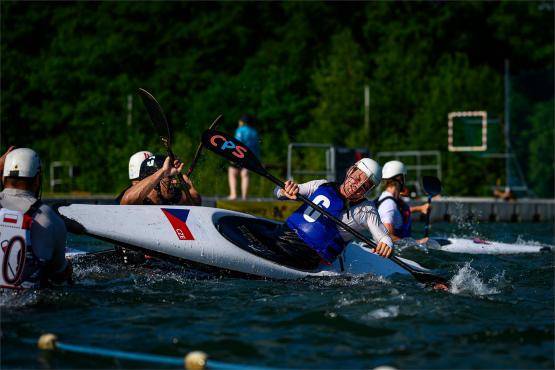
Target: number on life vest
x,y
13,259
310,214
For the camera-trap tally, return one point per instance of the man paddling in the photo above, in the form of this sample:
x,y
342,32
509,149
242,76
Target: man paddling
x,y
32,236
310,236
157,184
135,162
394,212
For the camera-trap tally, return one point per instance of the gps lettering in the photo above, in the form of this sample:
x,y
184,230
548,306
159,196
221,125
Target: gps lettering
x,y
238,150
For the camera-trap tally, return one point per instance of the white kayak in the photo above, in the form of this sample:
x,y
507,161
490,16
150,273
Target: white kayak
x,y
212,237
480,246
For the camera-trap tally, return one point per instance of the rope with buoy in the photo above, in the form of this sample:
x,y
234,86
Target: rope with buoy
x,y
196,360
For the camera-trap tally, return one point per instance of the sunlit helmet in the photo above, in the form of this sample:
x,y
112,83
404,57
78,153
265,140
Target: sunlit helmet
x,y
135,163
22,162
372,170
151,165
392,169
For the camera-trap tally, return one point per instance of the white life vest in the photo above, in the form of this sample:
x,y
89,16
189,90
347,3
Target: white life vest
x,y
19,267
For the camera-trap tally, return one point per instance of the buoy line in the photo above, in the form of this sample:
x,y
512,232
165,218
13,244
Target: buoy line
x,y
195,360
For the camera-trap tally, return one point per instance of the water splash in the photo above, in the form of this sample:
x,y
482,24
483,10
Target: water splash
x,y
382,313
468,280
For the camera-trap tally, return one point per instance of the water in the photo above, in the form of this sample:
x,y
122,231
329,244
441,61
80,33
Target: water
x,y
498,314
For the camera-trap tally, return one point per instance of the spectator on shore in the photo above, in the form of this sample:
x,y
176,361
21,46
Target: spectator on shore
x,y
246,134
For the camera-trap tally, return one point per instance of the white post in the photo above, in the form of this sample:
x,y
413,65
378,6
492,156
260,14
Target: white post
x,y
129,110
367,112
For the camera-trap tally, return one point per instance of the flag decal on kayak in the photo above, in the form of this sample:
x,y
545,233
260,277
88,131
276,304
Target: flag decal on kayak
x,y
178,219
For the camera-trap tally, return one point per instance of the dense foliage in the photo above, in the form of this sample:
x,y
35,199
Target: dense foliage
x,y
68,68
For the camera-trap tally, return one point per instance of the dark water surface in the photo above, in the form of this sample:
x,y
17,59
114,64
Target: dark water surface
x,y
499,313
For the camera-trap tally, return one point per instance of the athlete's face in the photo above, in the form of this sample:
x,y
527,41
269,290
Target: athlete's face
x,y
169,187
356,184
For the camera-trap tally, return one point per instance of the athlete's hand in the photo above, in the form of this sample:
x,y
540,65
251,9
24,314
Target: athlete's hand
x,y
172,169
425,208
290,190
383,250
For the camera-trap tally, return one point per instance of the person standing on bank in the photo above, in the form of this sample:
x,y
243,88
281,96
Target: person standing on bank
x,y
394,212
33,236
246,134
310,237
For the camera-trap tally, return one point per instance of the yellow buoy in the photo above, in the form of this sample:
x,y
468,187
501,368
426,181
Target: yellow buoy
x,y
47,341
195,360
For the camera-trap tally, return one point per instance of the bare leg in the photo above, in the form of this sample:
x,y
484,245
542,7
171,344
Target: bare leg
x,y
232,179
244,183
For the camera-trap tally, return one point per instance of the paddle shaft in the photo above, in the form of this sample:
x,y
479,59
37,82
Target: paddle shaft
x,y
432,187
427,226
199,149
161,124
237,152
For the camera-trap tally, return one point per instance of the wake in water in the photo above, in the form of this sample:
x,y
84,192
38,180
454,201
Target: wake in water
x,y
467,280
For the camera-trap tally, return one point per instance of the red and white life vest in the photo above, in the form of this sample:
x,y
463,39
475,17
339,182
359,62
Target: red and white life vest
x,y
19,268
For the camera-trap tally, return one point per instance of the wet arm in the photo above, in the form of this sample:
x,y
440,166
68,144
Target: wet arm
x,y
138,192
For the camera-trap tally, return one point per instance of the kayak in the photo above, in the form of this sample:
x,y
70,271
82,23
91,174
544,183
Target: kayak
x,y
480,246
213,238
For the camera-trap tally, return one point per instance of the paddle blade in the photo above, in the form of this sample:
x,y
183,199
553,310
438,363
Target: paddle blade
x,y
157,117
431,185
424,277
233,150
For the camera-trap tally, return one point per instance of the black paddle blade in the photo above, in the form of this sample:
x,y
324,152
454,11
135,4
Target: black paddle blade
x,y
431,185
233,150
157,117
424,277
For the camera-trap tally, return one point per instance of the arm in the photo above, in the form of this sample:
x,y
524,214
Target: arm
x,y
387,212
60,269
3,160
292,189
196,199
379,232
391,230
138,192
424,208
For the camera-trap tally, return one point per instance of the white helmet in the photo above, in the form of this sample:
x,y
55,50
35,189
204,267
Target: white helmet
x,y
392,169
372,169
135,163
21,162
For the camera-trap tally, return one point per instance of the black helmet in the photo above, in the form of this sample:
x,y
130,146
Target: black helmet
x,y
151,165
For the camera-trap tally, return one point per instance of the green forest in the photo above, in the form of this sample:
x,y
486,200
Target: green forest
x,y
70,73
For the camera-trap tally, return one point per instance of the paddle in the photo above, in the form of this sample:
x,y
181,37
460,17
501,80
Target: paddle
x,y
199,148
158,117
432,187
235,151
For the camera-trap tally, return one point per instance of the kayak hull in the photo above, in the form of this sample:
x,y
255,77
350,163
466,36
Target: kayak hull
x,y
191,234
479,246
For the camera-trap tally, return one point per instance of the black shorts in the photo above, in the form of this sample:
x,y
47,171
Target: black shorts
x,y
234,164
289,242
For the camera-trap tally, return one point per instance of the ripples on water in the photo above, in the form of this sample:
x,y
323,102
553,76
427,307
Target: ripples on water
x,y
499,313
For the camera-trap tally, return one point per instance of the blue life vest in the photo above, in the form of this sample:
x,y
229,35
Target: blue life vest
x,y
315,229
405,230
